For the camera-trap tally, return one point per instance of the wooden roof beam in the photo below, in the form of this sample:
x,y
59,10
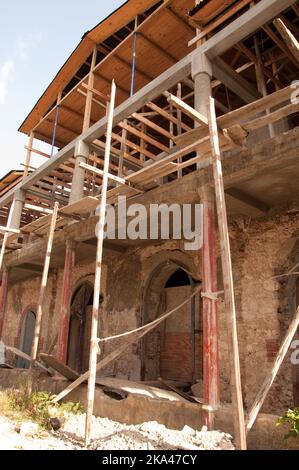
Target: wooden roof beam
x,y
234,81
180,20
280,44
65,128
251,56
158,48
127,64
296,9
289,39
48,138
218,44
119,87
243,26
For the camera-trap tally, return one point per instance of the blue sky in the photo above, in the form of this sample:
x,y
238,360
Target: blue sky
x,y
36,39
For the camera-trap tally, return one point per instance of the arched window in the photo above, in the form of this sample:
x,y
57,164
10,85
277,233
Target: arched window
x,y
27,334
79,328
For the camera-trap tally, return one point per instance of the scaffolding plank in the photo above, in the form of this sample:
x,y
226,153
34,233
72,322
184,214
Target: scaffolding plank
x,y
84,205
57,365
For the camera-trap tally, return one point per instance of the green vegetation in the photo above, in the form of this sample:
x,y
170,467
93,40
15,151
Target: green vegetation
x,y
37,407
291,418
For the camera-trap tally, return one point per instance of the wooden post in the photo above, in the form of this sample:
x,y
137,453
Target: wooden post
x,y
43,287
260,398
260,78
230,309
55,123
67,286
202,91
179,124
28,155
89,93
123,150
3,297
211,382
142,142
98,272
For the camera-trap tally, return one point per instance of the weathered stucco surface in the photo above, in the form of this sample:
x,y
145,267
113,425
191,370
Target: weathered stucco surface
x,y
133,281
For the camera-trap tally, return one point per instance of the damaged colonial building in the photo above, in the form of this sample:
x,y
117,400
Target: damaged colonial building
x,y
169,102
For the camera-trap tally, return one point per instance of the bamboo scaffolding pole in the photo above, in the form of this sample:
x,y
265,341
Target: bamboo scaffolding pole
x,y
98,272
237,401
43,287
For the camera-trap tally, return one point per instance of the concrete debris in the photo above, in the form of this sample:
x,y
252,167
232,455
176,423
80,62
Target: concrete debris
x,y
108,434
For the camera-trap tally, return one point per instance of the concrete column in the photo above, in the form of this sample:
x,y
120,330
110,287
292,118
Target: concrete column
x,y
15,215
3,297
81,155
67,290
202,74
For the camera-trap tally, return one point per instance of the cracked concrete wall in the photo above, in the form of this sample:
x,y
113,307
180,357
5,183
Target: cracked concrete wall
x,y
261,249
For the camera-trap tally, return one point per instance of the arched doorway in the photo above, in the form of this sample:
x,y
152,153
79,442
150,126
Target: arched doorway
x,y
172,351
79,328
27,334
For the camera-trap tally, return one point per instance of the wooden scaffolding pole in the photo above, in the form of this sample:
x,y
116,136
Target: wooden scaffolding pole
x,y
3,297
89,93
237,401
3,247
28,155
43,286
98,272
260,78
260,398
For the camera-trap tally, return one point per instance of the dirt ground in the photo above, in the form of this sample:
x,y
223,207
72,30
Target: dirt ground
x,y
108,435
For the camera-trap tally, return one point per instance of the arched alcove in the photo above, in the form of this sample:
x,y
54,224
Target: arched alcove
x,y
26,338
173,350
79,327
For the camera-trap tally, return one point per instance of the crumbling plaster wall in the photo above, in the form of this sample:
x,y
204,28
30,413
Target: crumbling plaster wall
x,y
261,249
23,297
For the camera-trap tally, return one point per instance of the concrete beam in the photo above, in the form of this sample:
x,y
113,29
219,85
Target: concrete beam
x,y
243,26
234,81
275,153
248,200
236,31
